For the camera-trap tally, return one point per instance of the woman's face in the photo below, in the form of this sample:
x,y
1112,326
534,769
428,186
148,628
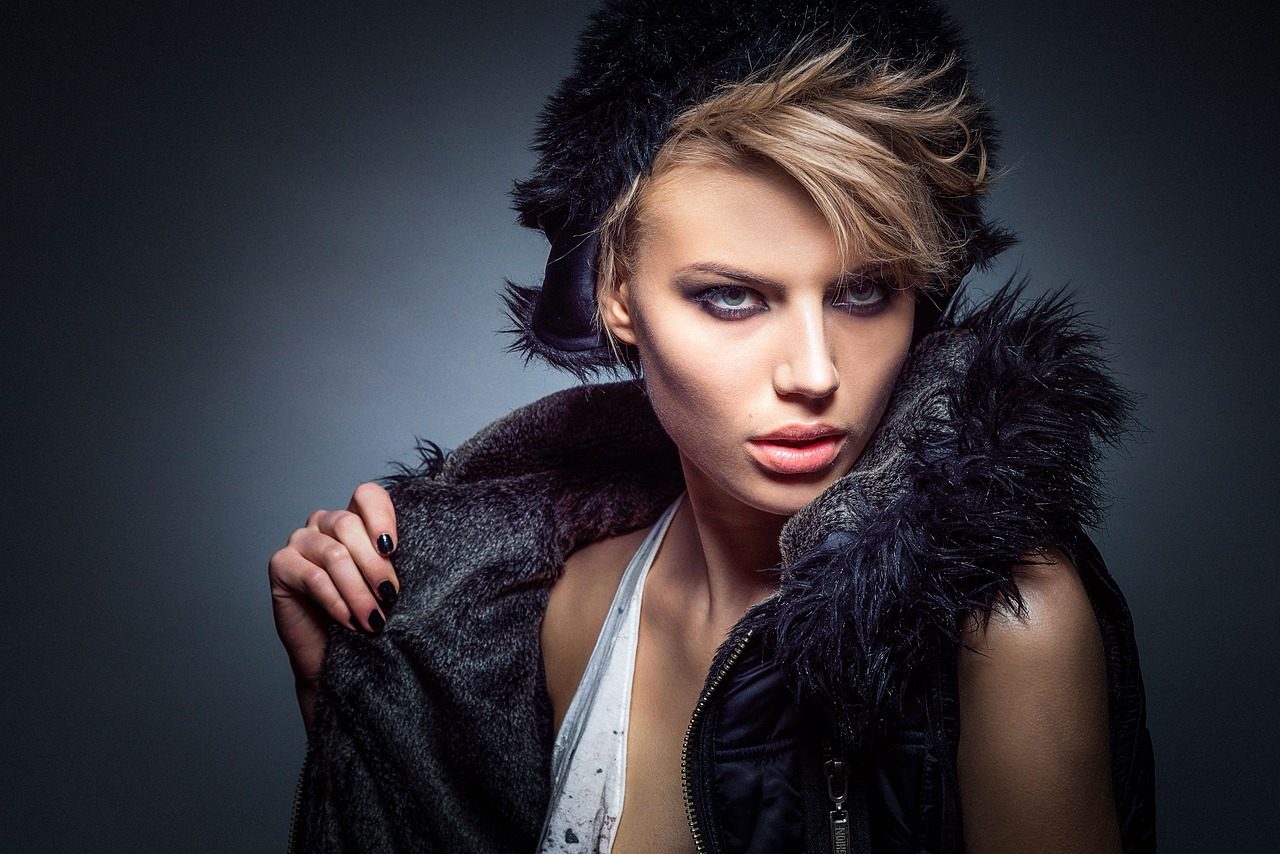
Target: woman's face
x,y
744,328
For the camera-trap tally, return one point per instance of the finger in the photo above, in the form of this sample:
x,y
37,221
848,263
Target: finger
x,y
372,540
373,504
333,557
298,576
348,528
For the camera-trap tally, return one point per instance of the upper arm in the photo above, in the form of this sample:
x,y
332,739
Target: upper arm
x,y
1034,761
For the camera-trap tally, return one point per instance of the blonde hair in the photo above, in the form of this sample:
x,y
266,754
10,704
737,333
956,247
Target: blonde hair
x,y
881,156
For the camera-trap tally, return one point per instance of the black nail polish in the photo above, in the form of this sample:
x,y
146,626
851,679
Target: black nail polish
x,y
376,621
387,593
355,624
384,544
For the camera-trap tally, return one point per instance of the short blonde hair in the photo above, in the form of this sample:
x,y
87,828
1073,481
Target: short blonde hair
x,y
882,161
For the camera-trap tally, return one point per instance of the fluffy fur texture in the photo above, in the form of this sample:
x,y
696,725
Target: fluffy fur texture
x,y
521,301
436,734
990,450
639,63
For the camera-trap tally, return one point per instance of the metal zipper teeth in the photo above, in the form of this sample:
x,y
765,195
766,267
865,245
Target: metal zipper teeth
x,y
698,841
297,804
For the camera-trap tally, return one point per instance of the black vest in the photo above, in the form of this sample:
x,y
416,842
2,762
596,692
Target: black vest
x,y
765,773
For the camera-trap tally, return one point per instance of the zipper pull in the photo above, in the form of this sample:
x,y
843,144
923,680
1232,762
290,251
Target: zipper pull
x,y
838,791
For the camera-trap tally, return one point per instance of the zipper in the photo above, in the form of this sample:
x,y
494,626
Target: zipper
x,y
296,815
698,841
837,773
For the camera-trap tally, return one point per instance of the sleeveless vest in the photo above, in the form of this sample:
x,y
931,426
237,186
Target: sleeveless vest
x,y
762,761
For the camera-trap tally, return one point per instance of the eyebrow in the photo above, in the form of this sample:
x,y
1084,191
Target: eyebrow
x,y
763,281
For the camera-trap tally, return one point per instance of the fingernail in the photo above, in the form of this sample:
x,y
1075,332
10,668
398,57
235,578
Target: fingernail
x,y
355,624
375,621
384,544
387,593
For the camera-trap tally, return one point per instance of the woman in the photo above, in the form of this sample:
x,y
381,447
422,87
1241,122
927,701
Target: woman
x,y
816,578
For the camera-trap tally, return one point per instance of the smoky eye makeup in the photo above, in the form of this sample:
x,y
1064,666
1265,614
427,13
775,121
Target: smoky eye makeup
x,y
729,301
864,295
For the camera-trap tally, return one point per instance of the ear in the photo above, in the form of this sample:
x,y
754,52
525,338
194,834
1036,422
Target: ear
x,y
617,313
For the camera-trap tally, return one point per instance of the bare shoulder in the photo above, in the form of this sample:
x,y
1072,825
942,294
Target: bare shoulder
x,y
576,609
1058,617
1034,761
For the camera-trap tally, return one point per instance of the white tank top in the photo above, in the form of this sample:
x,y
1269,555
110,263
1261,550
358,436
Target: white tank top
x,y
589,757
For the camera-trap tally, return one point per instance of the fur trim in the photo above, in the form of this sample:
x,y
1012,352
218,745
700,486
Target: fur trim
x,y
991,449
520,302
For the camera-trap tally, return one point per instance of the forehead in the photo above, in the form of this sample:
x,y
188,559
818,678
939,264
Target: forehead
x,y
747,212
688,187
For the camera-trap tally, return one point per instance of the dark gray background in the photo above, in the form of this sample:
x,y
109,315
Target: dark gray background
x,y
254,251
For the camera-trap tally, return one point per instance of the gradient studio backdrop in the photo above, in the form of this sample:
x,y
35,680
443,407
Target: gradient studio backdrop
x,y
256,248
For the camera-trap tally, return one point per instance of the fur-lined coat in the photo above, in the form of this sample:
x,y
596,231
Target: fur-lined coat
x,y
436,734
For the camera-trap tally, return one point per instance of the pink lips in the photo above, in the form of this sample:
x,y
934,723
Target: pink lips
x,y
798,448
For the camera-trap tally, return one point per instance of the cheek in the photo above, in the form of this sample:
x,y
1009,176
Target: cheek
x,y
697,392
869,371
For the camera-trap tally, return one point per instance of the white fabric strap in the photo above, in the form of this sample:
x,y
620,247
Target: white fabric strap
x,y
588,762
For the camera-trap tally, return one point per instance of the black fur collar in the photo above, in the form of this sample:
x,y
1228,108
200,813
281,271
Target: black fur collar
x,y
989,448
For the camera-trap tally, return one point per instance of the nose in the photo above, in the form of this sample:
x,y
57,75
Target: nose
x,y
806,367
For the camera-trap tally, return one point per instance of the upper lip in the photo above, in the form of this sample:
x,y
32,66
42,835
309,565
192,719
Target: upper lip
x,y
799,433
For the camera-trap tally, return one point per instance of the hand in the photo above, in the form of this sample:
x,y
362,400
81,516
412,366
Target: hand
x,y
336,568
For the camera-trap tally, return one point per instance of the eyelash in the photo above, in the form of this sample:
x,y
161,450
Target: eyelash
x,y
704,299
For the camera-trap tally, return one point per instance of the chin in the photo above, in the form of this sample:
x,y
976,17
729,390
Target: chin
x,y
780,494
786,495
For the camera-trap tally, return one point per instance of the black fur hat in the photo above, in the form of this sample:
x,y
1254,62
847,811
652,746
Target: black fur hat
x,y
639,64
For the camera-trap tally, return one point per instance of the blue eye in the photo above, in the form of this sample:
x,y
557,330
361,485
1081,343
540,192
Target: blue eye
x,y
863,296
729,301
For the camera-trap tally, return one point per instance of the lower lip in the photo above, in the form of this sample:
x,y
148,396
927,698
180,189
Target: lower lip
x,y
797,459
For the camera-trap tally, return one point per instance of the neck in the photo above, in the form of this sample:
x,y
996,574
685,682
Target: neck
x,y
723,546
